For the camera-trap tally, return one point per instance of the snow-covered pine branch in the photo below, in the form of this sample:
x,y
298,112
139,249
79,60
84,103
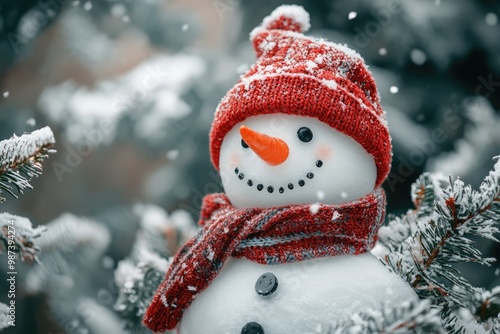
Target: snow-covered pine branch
x,y
137,285
160,232
486,305
21,159
480,142
438,236
70,245
23,240
4,316
417,317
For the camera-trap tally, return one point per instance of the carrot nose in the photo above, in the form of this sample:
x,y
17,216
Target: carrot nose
x,y
272,150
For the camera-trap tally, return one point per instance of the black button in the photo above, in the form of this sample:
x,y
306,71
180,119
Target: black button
x,y
252,328
266,284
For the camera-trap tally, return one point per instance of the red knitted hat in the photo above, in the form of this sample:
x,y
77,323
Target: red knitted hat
x,y
301,75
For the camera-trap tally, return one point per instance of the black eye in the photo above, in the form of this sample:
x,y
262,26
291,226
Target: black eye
x,y
245,145
305,134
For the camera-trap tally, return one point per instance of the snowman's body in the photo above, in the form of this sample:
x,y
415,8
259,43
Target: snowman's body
x,y
310,295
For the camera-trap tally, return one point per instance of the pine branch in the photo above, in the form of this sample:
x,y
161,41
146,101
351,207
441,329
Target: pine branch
x,y
487,304
4,316
70,245
437,238
18,235
137,285
21,159
454,324
415,317
160,232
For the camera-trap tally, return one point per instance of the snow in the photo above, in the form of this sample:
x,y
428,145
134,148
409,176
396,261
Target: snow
x,y
311,65
333,288
150,94
31,121
17,150
68,232
352,15
172,154
127,274
348,171
481,141
314,208
153,260
320,195
6,94
87,6
296,13
491,19
382,51
118,10
332,84
242,68
185,27
394,89
107,262
418,57
4,317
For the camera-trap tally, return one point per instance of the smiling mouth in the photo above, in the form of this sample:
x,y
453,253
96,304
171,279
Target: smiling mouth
x,y
269,188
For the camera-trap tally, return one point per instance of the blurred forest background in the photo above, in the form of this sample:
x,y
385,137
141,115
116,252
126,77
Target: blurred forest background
x,y
129,89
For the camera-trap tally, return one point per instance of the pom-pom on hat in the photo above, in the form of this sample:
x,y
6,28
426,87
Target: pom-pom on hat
x,y
306,76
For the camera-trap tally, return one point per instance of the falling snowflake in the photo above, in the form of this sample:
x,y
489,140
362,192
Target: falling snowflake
x,y
6,94
172,154
382,51
320,195
185,27
118,10
491,19
108,262
314,208
352,15
88,5
394,89
418,57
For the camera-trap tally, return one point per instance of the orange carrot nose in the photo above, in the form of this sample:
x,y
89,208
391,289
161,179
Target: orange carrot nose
x,y
272,150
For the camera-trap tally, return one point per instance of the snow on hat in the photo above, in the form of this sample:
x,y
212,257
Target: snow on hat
x,y
301,75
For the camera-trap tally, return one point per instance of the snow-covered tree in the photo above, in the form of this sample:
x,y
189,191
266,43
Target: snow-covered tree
x,y
20,160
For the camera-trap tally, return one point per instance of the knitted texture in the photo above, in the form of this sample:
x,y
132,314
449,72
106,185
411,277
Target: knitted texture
x,y
300,75
267,236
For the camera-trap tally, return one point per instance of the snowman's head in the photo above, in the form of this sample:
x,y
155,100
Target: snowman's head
x,y
277,159
303,125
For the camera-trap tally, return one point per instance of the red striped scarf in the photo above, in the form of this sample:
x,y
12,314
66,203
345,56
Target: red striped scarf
x,y
267,236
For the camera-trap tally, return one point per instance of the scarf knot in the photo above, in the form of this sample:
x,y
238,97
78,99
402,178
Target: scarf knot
x,y
265,235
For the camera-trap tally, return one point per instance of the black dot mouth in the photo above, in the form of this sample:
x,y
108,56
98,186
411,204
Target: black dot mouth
x,y
281,189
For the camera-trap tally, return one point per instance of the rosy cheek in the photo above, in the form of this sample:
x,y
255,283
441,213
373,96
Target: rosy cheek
x,y
234,159
324,152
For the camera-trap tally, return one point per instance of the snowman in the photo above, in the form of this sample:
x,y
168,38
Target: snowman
x,y
302,147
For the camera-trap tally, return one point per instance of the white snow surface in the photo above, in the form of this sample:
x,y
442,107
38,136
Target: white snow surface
x,y
310,293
